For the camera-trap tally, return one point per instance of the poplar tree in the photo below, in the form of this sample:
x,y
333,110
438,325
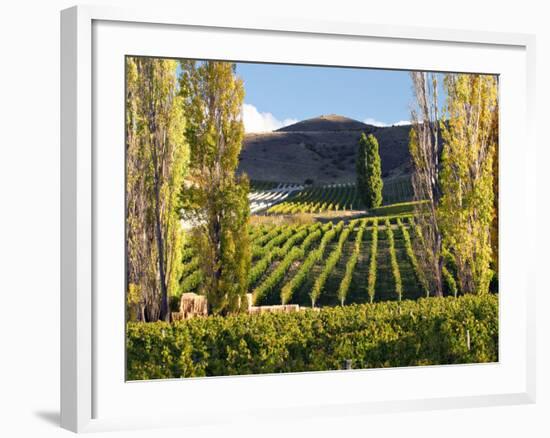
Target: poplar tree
x,y
494,225
466,209
425,151
156,163
369,172
215,198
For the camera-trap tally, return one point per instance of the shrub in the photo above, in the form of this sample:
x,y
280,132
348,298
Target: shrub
x,y
429,331
189,267
449,282
187,253
192,281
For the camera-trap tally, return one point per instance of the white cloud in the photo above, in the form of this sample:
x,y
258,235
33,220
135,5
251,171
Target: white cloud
x,y
402,123
374,122
256,121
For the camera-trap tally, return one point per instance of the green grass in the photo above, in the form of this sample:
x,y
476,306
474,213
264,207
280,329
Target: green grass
x,y
399,209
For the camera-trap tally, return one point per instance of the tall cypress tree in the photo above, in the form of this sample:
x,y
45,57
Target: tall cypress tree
x,y
369,172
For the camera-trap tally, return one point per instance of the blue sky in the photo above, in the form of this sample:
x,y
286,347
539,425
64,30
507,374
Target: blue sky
x,y
278,95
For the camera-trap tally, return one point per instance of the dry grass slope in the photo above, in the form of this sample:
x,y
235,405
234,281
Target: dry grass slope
x,y
322,149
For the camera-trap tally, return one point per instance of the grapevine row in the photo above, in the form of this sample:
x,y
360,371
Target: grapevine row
x,y
295,253
330,264
257,236
263,264
418,272
372,264
351,263
298,279
261,240
261,251
393,261
340,197
276,276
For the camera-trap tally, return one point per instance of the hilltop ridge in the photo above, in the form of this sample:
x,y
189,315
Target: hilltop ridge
x,y
322,149
329,122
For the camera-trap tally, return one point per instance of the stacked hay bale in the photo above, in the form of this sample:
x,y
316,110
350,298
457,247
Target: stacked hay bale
x,y
285,308
191,305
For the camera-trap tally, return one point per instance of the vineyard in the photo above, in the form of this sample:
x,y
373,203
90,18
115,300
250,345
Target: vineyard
x,y
258,186
355,275
325,244
390,334
293,199
325,264
271,194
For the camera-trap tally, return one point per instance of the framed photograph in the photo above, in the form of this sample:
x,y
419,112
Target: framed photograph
x,y
252,210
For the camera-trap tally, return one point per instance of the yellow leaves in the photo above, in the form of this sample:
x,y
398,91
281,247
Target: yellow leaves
x,y
134,294
212,97
466,208
156,163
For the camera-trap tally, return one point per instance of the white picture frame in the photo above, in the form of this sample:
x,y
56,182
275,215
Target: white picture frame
x,y
90,393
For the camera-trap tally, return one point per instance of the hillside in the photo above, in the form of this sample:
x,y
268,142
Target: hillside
x,y
322,149
331,122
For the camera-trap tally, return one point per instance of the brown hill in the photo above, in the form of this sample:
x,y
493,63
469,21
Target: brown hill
x,y
322,149
330,122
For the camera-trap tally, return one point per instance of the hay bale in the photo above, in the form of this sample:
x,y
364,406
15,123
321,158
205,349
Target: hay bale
x,y
290,308
176,316
254,309
248,301
280,308
192,305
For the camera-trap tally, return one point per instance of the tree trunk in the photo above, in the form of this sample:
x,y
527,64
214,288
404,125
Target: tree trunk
x,y
439,279
164,310
218,270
